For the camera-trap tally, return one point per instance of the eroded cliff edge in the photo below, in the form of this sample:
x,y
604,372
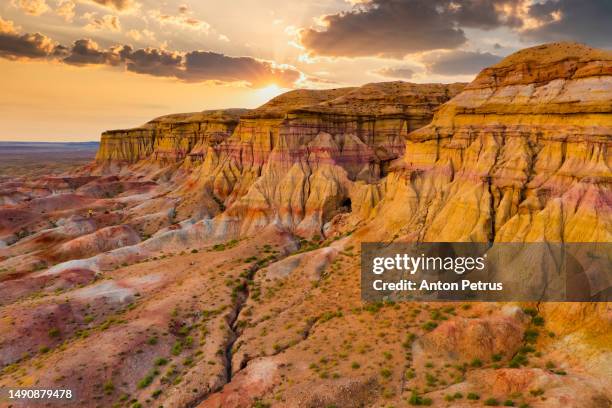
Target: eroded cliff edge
x,y
298,160
522,154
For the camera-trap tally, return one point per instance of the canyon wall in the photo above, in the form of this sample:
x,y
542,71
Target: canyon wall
x,y
298,160
522,154
169,138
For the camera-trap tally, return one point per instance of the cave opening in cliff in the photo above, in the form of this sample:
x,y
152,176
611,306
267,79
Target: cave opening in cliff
x,y
346,205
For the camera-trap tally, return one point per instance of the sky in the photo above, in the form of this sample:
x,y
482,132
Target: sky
x,y
70,69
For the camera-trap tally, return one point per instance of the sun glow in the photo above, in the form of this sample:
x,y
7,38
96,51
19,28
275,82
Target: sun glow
x,y
269,92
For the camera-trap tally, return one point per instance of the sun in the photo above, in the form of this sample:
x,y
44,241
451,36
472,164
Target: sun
x,y
269,92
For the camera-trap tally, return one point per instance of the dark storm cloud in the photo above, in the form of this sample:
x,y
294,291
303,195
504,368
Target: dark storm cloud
x,y
153,61
201,65
484,14
384,27
395,72
87,52
399,27
194,66
588,21
14,46
459,62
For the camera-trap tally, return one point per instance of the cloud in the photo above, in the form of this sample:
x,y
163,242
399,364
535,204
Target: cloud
x,y
32,7
395,72
88,52
585,21
459,62
36,45
384,27
193,66
138,35
206,65
156,62
106,22
7,26
119,5
65,9
394,28
14,45
182,21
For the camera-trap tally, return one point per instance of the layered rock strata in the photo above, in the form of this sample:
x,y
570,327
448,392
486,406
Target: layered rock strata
x,y
522,154
297,161
168,138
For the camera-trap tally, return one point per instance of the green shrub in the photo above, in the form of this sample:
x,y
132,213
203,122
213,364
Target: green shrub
x,y
429,326
148,379
108,387
531,335
385,373
177,348
161,361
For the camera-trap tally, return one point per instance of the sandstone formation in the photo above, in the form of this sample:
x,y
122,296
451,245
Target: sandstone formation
x,y
168,138
522,154
298,160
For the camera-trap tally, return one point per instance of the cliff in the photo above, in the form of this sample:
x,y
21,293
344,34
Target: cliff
x,y
522,154
298,160
169,138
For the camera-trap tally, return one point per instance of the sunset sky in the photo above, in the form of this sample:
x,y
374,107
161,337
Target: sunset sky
x,y
73,68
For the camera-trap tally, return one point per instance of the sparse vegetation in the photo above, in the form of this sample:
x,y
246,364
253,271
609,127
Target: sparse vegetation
x,y
161,361
416,399
108,387
177,348
54,332
148,379
429,326
476,363
385,373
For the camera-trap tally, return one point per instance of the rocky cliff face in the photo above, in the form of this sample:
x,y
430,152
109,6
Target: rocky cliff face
x,y
522,154
168,138
297,161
